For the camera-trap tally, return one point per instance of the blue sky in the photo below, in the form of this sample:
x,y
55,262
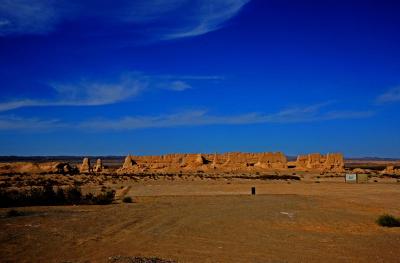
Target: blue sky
x,y
151,77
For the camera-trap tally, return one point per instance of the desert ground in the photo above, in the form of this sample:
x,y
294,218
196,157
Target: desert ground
x,y
199,219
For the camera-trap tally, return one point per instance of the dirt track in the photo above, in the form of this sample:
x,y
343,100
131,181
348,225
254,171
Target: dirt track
x,y
214,222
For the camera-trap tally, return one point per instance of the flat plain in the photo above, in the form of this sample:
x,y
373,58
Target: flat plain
x,y
205,220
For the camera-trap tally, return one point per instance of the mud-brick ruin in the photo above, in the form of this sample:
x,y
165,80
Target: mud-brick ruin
x,y
332,162
232,162
235,162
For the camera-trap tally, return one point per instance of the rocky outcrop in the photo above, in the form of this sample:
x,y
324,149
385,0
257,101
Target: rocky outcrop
x,y
85,166
234,162
66,168
390,170
36,168
98,168
214,162
129,162
226,162
332,162
273,160
200,160
129,166
361,171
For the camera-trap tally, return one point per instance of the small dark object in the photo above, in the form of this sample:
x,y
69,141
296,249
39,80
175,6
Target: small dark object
x,y
388,221
127,199
14,213
253,190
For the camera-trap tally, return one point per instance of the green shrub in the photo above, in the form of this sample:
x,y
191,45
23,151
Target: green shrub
x,y
388,221
127,199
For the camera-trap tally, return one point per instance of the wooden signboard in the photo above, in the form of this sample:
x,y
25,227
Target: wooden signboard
x,y
362,178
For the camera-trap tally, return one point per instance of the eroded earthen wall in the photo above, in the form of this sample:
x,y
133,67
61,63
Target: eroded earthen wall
x,y
332,162
235,161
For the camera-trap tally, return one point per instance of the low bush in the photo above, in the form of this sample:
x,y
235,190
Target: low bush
x,y
388,221
104,198
47,196
14,213
270,177
127,199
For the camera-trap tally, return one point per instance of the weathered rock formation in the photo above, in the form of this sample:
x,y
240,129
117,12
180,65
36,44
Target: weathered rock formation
x,y
214,162
361,171
332,162
200,160
234,162
390,169
35,168
129,166
66,168
85,166
98,168
129,162
230,162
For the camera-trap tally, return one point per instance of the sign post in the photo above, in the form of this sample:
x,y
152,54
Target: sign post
x,y
351,178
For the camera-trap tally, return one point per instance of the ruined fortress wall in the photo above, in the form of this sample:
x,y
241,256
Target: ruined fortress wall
x,y
216,159
332,162
236,161
226,162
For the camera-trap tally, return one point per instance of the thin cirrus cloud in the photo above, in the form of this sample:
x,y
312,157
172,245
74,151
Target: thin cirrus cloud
x,y
207,17
161,19
93,93
18,17
390,96
15,123
313,113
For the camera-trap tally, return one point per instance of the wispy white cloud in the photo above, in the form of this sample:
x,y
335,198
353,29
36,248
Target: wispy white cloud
x,y
158,19
85,93
199,77
15,123
208,16
199,118
179,85
4,23
389,96
28,16
144,11
93,93
313,113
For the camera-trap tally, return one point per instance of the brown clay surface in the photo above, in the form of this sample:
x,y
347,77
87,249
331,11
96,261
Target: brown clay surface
x,y
214,221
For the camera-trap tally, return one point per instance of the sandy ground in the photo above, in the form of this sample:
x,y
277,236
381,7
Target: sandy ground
x,y
214,221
